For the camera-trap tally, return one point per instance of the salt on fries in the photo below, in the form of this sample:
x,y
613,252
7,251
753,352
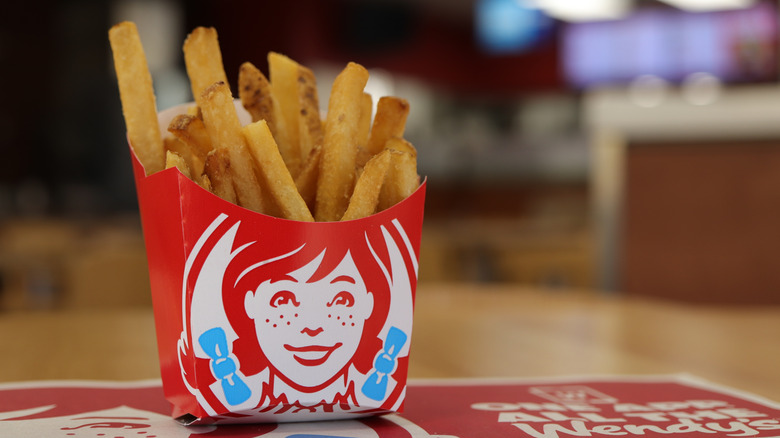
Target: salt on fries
x,y
287,162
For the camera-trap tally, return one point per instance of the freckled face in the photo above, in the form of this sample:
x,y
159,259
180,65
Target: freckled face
x,y
310,331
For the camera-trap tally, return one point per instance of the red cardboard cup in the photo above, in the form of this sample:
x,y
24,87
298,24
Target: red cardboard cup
x,y
261,319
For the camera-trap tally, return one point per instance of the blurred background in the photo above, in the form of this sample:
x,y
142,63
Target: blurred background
x,y
612,146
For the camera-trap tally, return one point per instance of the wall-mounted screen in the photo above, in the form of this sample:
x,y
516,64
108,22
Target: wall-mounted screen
x,y
736,46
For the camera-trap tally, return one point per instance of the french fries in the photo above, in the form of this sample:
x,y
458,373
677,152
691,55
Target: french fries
x,y
172,159
364,129
402,178
283,73
266,154
203,60
365,198
192,135
224,128
306,181
218,171
389,122
254,90
137,95
287,162
339,144
309,121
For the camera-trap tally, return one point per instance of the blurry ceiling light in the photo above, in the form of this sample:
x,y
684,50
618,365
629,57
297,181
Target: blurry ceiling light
x,y
709,5
648,91
506,26
701,88
585,10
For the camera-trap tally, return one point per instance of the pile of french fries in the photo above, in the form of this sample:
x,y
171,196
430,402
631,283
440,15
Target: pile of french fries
x,y
287,162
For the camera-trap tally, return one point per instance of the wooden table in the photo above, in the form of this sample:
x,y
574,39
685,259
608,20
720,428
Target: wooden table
x,y
460,331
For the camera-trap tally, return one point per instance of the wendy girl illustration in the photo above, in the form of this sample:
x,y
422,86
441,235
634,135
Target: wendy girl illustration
x,y
285,321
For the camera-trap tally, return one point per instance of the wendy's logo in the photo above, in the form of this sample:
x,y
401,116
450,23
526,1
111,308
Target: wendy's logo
x,y
310,328
315,322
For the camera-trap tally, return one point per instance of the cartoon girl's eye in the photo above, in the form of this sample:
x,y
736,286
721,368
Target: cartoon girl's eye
x,y
283,298
343,298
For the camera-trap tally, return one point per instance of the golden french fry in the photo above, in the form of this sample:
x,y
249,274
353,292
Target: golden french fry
x,y
195,164
219,176
172,159
280,183
309,121
203,60
254,90
258,99
283,73
402,178
192,131
306,181
366,195
366,109
224,128
172,144
137,95
190,140
363,154
401,145
389,122
205,182
339,146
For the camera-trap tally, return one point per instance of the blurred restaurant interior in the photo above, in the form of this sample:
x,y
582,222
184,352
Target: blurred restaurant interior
x,y
633,150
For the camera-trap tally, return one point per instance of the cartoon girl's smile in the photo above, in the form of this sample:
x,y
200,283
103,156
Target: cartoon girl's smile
x,y
312,355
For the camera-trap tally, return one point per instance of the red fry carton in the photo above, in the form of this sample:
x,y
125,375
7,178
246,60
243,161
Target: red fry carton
x,y
261,319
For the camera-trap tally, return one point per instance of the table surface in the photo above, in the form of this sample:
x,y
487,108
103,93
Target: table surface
x,y
459,331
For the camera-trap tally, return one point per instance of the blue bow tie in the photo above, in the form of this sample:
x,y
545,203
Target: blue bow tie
x,y
214,344
375,386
